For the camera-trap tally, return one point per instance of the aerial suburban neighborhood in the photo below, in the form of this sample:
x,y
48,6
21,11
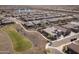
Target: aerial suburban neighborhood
x,y
39,29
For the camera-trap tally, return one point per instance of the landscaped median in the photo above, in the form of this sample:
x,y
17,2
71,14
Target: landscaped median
x,y
20,43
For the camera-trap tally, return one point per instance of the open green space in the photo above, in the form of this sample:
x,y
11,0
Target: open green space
x,y
20,43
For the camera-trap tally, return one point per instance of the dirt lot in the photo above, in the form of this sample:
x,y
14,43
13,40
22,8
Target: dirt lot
x,y
37,40
5,43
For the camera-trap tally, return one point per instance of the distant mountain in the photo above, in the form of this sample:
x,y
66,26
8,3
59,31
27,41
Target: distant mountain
x,y
75,7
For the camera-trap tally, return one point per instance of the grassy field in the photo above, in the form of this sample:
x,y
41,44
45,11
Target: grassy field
x,y
20,43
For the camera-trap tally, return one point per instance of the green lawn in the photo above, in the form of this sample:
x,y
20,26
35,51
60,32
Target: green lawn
x,y
20,43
